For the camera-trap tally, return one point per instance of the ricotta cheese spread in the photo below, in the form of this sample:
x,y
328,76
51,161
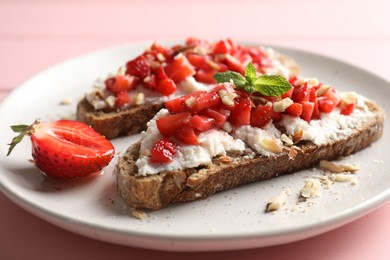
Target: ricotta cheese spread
x,y
330,128
211,144
100,98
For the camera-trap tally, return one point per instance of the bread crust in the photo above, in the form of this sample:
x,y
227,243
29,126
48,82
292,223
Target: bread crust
x,y
133,119
156,191
118,122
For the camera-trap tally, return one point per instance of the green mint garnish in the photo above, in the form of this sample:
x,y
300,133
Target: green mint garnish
x,y
267,85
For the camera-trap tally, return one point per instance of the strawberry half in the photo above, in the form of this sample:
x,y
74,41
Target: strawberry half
x,y
65,149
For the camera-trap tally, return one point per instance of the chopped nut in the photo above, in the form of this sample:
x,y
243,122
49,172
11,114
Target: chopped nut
x,y
310,188
292,153
280,106
225,159
270,145
139,214
349,167
277,203
212,64
329,166
227,97
65,101
314,81
341,177
332,167
190,102
286,139
196,179
348,98
297,136
121,71
139,98
110,101
322,90
160,57
147,79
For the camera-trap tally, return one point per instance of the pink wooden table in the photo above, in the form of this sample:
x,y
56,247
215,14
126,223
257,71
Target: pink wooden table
x,y
37,34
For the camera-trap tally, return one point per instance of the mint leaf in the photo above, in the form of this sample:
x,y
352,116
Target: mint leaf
x,y
271,85
250,73
267,85
226,76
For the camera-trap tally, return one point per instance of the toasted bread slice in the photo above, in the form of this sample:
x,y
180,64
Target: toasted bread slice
x,y
225,172
133,119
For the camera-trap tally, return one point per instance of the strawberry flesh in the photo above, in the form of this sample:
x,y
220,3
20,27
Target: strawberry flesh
x,y
69,149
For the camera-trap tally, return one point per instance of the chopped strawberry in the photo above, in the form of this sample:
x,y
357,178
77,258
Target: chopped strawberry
x,y
122,98
202,123
348,109
294,109
186,135
179,68
163,151
168,125
165,85
196,60
220,118
139,67
332,95
234,64
241,114
325,105
206,100
307,110
288,94
177,105
261,116
65,148
121,83
300,94
222,47
205,76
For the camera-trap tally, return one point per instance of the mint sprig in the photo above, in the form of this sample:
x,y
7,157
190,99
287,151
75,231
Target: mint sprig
x,y
267,85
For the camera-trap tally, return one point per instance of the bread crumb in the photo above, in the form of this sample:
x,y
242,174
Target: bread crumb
x,y
138,214
276,203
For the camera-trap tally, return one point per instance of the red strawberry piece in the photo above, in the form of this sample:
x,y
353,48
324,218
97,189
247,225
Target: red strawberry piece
x,y
294,109
139,67
307,110
206,100
235,64
163,151
261,116
165,85
205,76
186,135
177,105
202,123
121,83
122,98
325,105
300,93
241,114
222,47
348,109
219,117
179,68
65,149
168,125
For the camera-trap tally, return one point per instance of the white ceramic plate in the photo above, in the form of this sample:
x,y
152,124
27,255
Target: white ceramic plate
x,y
233,219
